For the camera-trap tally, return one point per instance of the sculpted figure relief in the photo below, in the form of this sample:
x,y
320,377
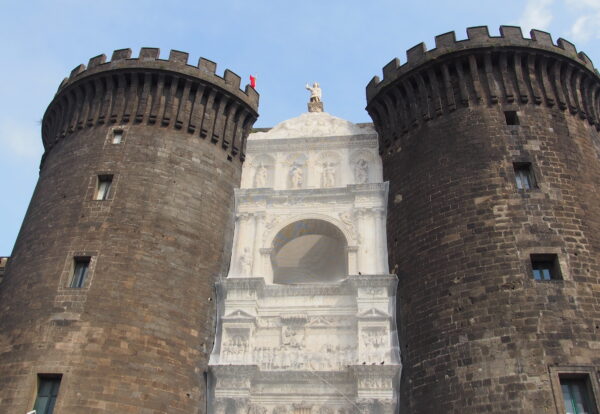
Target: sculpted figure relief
x,y
328,174
246,262
296,176
361,171
260,178
315,92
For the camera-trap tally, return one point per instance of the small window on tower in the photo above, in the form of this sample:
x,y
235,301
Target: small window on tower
x,y
545,267
117,136
577,394
81,266
511,117
45,400
524,176
103,188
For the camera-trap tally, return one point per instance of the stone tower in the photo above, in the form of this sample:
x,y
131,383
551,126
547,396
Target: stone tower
x,y
110,284
491,148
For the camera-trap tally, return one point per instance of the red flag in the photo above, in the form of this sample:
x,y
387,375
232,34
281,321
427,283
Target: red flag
x,y
253,81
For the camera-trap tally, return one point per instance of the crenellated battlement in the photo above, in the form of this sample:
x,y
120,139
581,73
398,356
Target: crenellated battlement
x,y
482,70
151,90
477,37
177,62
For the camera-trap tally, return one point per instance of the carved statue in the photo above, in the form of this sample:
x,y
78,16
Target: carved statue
x,y
361,171
296,175
315,92
246,262
260,178
328,174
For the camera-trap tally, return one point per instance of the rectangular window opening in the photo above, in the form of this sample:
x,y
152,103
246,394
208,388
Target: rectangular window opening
x,y
577,394
45,400
545,267
511,117
81,266
103,189
117,136
524,176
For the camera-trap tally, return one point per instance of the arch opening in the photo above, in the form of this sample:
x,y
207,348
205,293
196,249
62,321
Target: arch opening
x,y
309,251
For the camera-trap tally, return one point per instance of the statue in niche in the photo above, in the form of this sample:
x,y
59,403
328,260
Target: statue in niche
x,y
296,175
315,92
361,171
328,174
260,178
246,262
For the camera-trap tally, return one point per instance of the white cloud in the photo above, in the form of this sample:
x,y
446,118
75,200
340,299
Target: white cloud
x,y
587,23
20,140
537,15
583,3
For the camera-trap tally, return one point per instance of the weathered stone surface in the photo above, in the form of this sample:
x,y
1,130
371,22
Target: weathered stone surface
x,y
3,261
478,333
136,337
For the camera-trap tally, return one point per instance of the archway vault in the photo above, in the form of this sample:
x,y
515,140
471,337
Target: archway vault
x,y
309,251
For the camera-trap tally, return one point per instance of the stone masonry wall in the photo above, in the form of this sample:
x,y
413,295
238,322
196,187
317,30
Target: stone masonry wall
x,y
137,336
478,333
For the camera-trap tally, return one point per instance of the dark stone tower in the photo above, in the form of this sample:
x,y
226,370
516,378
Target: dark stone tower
x,y
491,147
135,336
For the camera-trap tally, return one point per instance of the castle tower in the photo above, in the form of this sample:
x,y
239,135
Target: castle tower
x,y
306,314
491,148
107,301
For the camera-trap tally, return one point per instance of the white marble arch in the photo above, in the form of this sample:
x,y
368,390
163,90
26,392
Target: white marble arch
x,y
272,339
268,249
309,251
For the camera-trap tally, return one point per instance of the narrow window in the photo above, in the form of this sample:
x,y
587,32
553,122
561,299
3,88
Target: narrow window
x,y
117,136
511,117
103,189
524,176
46,395
577,395
80,271
545,267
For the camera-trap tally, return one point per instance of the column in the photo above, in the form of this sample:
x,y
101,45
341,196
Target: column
x,y
381,242
259,225
360,228
267,269
245,244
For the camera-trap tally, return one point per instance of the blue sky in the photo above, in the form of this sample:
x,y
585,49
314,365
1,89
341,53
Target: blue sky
x,y
339,43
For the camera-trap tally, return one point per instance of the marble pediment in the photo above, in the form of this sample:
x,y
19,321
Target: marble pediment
x,y
373,314
239,315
